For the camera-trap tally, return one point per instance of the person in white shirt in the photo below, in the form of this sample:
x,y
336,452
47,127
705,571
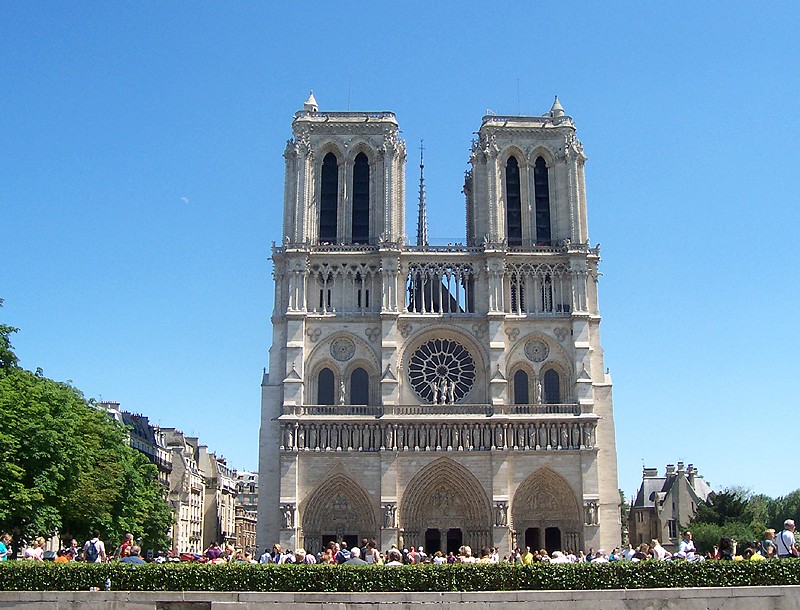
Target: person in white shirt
x,y
785,541
687,546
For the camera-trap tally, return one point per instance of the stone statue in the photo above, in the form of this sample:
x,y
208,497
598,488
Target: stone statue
x,y
539,393
341,392
451,393
288,516
442,391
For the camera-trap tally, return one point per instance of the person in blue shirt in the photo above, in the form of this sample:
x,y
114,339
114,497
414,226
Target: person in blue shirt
x,y
5,547
135,557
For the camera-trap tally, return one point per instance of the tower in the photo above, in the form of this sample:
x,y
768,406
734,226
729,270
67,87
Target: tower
x,y
436,395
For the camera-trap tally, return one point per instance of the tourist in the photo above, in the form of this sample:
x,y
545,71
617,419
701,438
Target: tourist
x,y
786,541
687,546
329,554
5,547
726,549
36,551
642,553
395,558
94,551
658,552
134,556
355,558
62,556
527,556
124,549
451,558
767,547
373,556
485,556
343,554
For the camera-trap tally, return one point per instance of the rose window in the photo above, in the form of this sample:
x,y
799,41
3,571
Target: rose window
x,y
441,371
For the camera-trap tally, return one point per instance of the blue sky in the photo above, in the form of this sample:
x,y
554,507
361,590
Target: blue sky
x,y
141,186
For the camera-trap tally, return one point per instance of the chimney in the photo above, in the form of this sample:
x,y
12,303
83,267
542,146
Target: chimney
x,y
650,473
680,466
670,469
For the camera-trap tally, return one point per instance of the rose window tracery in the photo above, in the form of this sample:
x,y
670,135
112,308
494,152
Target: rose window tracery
x,y
441,371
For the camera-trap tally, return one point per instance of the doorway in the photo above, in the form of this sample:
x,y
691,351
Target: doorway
x,y
552,539
454,540
533,537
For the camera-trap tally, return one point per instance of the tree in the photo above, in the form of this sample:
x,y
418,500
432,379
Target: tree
x,y
624,509
65,466
8,359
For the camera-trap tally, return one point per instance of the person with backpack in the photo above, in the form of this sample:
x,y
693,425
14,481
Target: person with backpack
x,y
94,551
343,554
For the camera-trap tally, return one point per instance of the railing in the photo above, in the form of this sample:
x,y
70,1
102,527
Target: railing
x,y
456,248
345,115
377,411
420,434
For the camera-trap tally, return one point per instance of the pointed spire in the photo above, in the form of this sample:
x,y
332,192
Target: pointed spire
x,y
422,219
311,103
557,111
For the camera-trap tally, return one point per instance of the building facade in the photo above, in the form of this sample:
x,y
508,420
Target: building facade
x,y
664,505
436,396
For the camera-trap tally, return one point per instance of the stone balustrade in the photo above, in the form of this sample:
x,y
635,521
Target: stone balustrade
x,y
359,435
429,409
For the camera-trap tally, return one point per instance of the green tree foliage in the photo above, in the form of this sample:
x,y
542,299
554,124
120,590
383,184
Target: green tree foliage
x,y
66,466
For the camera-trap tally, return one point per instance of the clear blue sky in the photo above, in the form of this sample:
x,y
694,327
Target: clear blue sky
x,y
141,184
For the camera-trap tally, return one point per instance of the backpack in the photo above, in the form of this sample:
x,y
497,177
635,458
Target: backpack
x,y
342,556
91,552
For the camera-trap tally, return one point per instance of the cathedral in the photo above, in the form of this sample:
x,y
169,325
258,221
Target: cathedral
x,y
436,396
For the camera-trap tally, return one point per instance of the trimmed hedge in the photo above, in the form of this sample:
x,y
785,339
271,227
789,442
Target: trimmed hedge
x,y
30,576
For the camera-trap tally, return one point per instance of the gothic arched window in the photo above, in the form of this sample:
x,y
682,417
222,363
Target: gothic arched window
x,y
521,388
513,203
541,184
552,387
359,387
360,222
329,196
325,389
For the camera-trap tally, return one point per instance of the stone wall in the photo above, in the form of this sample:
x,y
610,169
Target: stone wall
x,y
741,598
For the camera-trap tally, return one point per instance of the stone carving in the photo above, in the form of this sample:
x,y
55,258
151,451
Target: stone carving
x,y
591,510
536,350
561,333
405,329
539,392
512,333
479,330
343,349
501,514
288,516
417,436
372,333
313,334
389,515
342,391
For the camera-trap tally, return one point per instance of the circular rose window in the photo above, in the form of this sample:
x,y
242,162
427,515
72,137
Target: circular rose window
x,y
441,371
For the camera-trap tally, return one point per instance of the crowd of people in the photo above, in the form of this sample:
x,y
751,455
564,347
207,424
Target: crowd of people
x,y
773,545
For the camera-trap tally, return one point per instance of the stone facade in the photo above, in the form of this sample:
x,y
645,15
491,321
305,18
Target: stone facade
x,y
246,529
219,518
664,505
436,395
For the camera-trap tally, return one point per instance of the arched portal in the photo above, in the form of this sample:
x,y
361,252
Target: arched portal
x,y
546,511
338,509
446,498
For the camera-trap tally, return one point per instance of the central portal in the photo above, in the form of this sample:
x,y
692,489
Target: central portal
x,y
447,541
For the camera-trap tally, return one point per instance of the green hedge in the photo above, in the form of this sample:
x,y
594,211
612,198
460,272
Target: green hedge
x,y
30,576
